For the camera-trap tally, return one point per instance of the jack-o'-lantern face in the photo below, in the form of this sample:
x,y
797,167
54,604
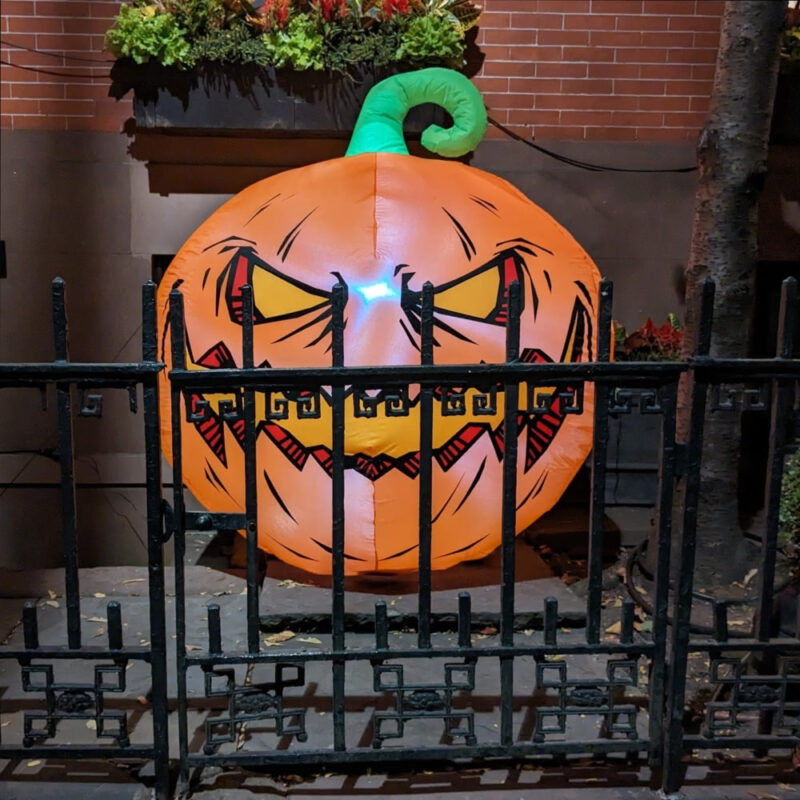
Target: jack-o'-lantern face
x,y
383,224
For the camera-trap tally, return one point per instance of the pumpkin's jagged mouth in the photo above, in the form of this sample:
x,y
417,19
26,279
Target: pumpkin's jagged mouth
x,y
210,415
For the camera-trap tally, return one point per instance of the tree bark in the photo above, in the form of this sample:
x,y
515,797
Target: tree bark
x,y
732,162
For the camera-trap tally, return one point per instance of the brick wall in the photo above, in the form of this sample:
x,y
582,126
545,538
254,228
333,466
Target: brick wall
x,y
557,69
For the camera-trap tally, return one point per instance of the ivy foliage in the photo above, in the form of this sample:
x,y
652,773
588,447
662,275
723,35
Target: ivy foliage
x,y
789,513
295,34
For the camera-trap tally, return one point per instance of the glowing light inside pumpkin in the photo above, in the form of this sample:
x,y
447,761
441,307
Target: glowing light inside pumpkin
x,y
375,291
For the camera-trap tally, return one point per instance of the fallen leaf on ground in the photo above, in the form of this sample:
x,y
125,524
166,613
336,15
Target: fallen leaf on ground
x,y
277,638
287,584
615,627
134,580
97,619
99,595
309,639
52,603
142,700
193,647
34,763
91,724
786,787
52,594
764,796
750,575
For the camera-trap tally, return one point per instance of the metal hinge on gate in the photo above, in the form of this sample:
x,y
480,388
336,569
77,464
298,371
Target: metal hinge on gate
x,y
168,520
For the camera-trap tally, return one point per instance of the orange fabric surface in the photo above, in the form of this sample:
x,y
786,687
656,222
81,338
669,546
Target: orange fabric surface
x,y
385,224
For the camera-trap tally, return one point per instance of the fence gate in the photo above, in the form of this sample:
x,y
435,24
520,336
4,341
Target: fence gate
x,y
442,683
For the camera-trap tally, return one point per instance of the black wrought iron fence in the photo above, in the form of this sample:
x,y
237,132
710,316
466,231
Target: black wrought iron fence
x,y
522,694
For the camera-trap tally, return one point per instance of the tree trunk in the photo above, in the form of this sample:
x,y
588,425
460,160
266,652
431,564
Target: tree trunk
x,y
732,161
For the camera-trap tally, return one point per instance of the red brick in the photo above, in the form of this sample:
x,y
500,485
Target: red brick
x,y
555,101
588,54
645,118
689,119
24,58
676,71
487,84
587,86
41,122
491,19
500,36
508,100
563,37
562,70
699,103
603,102
70,42
669,7
702,88
668,39
536,53
608,134
510,68
22,39
49,8
20,106
86,25
638,87
640,55
18,8
616,38
67,107
663,103
703,72
559,132
694,23
614,70
536,85
501,5
706,39
35,24
616,6
103,10
585,117
17,75
533,117
592,22
536,21
642,23
49,91
712,8
571,7
495,53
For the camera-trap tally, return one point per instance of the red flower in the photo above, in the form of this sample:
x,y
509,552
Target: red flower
x,y
333,8
391,7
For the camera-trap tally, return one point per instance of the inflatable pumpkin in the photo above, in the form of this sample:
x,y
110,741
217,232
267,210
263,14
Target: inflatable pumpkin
x,y
384,223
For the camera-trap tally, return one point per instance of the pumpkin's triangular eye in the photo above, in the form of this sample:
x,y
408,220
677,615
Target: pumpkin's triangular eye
x,y
275,296
483,293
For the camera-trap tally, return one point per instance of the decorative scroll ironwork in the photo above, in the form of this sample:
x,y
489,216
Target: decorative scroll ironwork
x,y
74,701
624,401
749,695
90,404
423,701
253,703
582,696
727,397
395,401
541,399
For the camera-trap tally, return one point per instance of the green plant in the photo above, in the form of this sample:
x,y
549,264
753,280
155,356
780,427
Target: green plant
x,y
300,45
432,37
789,514
142,33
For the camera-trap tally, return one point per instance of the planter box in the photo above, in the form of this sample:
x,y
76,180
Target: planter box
x,y
219,98
786,111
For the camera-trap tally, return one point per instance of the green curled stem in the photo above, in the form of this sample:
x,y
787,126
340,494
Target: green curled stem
x,y
379,128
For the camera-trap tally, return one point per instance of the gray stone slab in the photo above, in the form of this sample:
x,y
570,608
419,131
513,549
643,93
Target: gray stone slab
x,y
295,600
